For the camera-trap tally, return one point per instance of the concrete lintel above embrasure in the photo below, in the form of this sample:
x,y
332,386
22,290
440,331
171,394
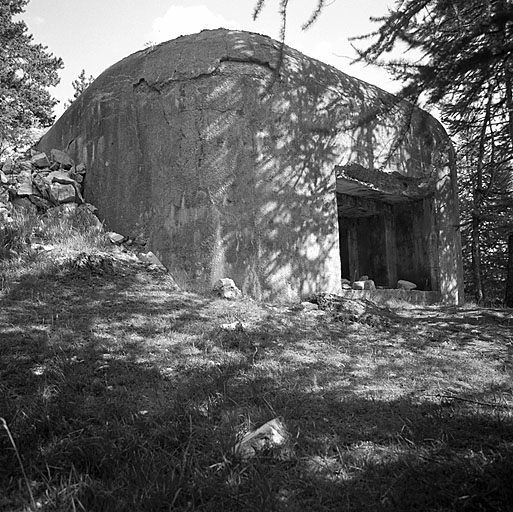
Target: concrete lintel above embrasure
x,y
390,187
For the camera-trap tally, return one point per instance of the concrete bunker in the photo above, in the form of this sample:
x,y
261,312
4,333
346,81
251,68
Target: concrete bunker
x,y
236,160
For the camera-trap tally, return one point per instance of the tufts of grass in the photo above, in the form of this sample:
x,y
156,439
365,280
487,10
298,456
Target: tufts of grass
x,y
34,244
72,229
15,235
67,228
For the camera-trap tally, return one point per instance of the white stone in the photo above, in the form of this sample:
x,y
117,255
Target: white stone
x,y
115,238
25,188
402,284
150,258
233,326
61,177
60,193
226,289
272,434
368,284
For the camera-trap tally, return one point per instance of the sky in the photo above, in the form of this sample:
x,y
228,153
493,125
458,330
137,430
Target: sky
x,y
94,34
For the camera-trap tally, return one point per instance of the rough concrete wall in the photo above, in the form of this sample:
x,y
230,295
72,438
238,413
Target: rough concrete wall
x,y
229,165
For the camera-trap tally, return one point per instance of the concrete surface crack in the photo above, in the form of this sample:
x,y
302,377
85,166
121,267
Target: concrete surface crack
x,y
249,60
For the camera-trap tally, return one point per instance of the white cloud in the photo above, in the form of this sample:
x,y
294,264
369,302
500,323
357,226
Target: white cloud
x,y
179,21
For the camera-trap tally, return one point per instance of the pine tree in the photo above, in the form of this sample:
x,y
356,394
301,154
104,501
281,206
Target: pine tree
x,y
26,71
464,66
79,86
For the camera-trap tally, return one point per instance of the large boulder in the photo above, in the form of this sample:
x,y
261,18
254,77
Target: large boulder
x,y
223,151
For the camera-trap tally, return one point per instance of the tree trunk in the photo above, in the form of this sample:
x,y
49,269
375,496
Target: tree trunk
x,y
477,203
508,301
476,260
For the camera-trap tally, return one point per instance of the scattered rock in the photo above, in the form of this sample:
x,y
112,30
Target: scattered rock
x,y
61,177
150,259
345,284
367,284
271,435
402,284
40,160
80,169
42,185
79,178
237,326
61,158
25,189
42,247
115,238
8,166
226,289
309,306
354,310
60,193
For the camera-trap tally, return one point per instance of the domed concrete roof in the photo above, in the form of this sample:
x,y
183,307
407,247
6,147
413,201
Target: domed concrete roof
x,y
224,151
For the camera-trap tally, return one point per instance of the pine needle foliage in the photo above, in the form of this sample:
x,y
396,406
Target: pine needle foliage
x,y
27,69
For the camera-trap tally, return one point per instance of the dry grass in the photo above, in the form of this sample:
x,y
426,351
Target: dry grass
x,y
123,393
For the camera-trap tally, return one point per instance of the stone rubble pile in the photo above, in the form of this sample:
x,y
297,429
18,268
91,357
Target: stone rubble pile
x,y
351,310
40,183
364,283
37,182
